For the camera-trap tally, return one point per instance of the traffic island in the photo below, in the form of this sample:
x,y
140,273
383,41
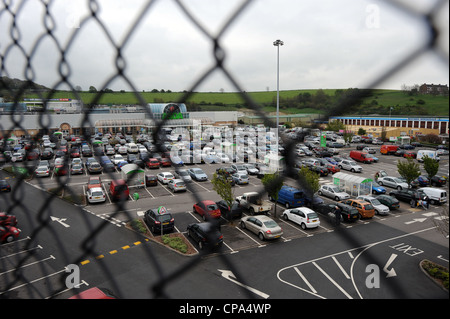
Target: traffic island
x,y
174,241
436,272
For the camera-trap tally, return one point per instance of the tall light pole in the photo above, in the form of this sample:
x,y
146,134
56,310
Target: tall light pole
x,y
278,43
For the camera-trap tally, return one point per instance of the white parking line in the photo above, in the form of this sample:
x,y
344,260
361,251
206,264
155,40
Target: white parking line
x,y
259,244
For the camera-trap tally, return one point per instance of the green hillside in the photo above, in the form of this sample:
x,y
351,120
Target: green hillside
x,y
294,101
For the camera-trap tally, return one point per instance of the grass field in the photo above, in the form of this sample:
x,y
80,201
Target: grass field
x,y
381,100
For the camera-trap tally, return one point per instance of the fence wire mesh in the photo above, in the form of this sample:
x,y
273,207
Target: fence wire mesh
x,y
11,11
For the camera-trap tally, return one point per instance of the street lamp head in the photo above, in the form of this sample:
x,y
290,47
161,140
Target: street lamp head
x,y
278,43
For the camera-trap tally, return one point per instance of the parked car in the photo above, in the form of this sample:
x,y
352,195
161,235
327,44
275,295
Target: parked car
x,y
165,177
94,167
8,234
262,225
239,178
380,209
7,219
303,216
391,202
159,220
118,189
42,171
205,235
436,195
177,185
377,189
116,159
229,212
208,209
94,181
251,169
365,209
333,191
239,168
151,180
197,174
409,195
95,195
183,175
350,165
438,180
348,213
76,169
153,163
393,182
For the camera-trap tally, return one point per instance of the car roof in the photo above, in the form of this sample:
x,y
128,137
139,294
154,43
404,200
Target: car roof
x,y
96,189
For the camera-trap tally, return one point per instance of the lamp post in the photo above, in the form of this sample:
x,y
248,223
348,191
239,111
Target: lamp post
x,y
278,43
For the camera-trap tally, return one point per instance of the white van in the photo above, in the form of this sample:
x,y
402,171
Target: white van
x,y
431,154
132,148
436,195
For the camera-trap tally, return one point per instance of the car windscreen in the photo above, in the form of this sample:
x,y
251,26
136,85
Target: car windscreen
x,y
270,224
212,207
298,195
97,193
164,218
312,215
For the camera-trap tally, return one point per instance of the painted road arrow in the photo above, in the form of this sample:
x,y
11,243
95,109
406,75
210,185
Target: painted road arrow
x,y
60,220
227,274
390,273
416,220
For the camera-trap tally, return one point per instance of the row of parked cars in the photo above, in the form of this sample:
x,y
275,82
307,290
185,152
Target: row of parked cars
x,y
8,230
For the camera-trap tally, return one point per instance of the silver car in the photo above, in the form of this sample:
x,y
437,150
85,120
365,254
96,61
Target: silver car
x,y
380,209
183,175
240,178
177,185
394,182
332,191
350,165
263,226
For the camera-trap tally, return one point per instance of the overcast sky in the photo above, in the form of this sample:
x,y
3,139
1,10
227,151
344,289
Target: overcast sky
x,y
328,44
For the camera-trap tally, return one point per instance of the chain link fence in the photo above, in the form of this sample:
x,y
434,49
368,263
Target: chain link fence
x,y
11,11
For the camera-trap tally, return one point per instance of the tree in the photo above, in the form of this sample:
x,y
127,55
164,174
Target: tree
x,y
272,184
409,170
310,182
92,89
223,188
361,131
431,166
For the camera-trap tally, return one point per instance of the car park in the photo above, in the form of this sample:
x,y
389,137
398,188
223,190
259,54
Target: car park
x,y
303,216
393,182
262,225
350,165
380,209
229,212
205,235
197,174
95,195
176,185
333,192
159,220
365,209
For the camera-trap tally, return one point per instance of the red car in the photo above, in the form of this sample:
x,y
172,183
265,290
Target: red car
x,y
7,220
207,209
333,168
94,181
153,163
74,152
8,234
165,162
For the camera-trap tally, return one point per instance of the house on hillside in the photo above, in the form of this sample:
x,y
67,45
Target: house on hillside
x,y
434,89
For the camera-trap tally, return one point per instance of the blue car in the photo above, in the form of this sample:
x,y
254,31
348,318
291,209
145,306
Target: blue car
x,y
377,189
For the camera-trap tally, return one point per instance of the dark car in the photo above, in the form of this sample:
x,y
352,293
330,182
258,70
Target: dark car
x,y
151,180
4,186
389,201
321,170
438,180
205,235
86,151
409,195
229,212
348,213
47,154
421,181
159,220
